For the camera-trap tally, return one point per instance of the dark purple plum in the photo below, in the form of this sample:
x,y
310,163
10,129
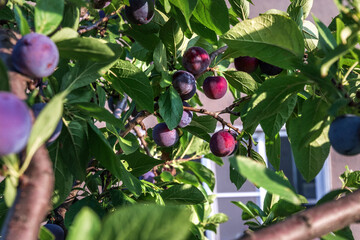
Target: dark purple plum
x,y
185,84
35,55
163,136
37,108
196,60
186,117
246,64
222,143
3,3
99,4
344,135
102,14
140,11
15,124
56,230
215,87
234,134
269,69
149,176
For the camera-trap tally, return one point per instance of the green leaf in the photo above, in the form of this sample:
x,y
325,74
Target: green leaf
x,y
236,178
6,14
247,213
76,208
241,81
48,15
171,107
202,126
273,147
45,234
309,158
45,124
159,56
203,173
10,190
85,72
186,7
183,194
64,34
21,21
333,56
187,178
128,78
129,144
85,48
326,39
269,98
100,148
265,37
172,36
63,178
214,158
274,123
284,209
213,14
332,195
241,8
264,177
86,226
144,222
74,149
4,83
306,5
71,16
203,31
311,35
99,113
140,163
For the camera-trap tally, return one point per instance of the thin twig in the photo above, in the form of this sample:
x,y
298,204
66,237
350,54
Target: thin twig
x,y
142,140
132,123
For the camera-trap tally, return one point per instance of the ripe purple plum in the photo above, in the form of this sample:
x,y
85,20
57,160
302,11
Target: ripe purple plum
x,y
246,64
186,117
149,176
269,69
163,136
196,60
185,84
222,143
215,87
35,55
15,124
140,11
37,108
56,230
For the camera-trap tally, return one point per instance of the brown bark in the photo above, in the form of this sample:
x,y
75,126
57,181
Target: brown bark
x,y
36,185
314,222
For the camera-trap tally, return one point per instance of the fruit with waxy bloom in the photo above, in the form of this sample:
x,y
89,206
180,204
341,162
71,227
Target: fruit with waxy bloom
x,y
215,87
163,136
196,60
222,143
185,84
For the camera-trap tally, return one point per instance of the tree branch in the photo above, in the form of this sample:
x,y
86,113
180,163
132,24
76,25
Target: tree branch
x,y
98,23
314,222
132,123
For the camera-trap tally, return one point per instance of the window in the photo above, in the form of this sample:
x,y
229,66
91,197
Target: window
x,y
227,192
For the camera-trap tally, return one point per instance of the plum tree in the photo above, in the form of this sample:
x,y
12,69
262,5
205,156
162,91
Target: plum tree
x,y
269,69
140,11
98,4
56,230
186,117
344,135
196,60
185,84
215,87
35,55
163,136
246,64
15,124
222,143
37,108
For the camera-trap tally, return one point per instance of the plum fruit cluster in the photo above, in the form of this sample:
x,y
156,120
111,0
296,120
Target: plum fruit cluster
x,y
35,55
223,143
250,64
37,108
344,135
140,11
15,124
56,230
